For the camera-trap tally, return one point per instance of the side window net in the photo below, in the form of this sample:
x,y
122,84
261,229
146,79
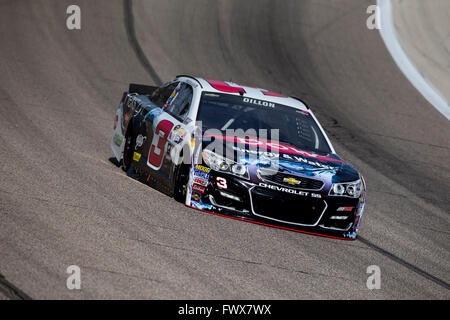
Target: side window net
x,y
162,94
180,101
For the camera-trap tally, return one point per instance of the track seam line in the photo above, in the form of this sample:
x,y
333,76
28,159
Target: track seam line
x,y
132,39
404,263
11,291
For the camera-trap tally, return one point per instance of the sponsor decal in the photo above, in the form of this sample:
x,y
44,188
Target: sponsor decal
x,y
117,139
200,174
179,131
178,134
275,156
291,191
278,147
136,156
222,183
283,189
195,197
140,139
291,180
306,161
345,209
200,181
198,188
259,102
202,168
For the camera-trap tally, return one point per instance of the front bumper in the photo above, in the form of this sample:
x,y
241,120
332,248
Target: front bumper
x,y
304,211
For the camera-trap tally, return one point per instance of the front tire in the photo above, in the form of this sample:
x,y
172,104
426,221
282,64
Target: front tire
x,y
181,183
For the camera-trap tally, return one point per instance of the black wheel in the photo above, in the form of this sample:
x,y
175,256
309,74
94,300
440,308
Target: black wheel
x,y
128,150
181,181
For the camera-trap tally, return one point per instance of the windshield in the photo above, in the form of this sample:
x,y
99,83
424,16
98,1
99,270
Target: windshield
x,y
296,128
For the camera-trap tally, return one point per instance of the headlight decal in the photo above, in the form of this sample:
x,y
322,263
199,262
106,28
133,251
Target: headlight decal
x,y
346,189
221,164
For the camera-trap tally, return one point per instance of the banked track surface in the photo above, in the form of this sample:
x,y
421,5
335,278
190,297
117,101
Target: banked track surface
x,y
63,203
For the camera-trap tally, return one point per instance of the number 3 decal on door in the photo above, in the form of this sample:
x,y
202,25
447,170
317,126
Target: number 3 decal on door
x,y
158,147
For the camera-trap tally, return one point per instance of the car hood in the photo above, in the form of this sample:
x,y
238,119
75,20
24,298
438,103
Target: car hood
x,y
283,157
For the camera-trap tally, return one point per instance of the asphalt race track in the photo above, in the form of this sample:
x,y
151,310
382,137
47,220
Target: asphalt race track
x,y
63,202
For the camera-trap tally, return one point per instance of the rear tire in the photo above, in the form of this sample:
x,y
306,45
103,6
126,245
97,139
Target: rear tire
x,y
127,157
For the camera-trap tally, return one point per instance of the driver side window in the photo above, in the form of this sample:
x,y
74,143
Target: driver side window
x,y
162,94
180,104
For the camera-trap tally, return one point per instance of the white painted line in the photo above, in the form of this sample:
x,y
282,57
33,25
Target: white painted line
x,y
389,35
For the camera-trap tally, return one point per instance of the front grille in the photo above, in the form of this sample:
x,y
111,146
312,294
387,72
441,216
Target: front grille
x,y
279,178
291,209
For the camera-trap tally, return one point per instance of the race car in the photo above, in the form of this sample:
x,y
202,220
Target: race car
x,y
240,152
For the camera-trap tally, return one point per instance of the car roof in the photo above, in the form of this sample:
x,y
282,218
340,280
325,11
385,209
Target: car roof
x,y
207,85
229,87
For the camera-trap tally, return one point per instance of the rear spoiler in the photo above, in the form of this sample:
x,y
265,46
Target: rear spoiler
x,y
141,89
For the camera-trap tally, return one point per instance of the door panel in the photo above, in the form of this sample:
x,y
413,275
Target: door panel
x,y
159,144
161,129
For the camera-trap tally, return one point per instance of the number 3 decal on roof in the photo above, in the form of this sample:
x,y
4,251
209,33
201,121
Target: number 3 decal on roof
x,y
225,87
